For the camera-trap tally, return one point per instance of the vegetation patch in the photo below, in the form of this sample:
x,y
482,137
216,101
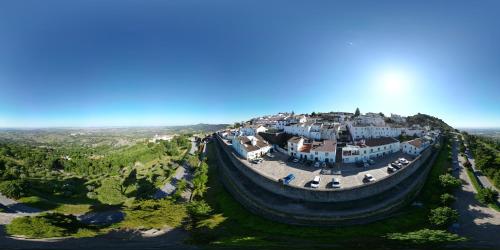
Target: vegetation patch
x,y
147,214
48,225
426,236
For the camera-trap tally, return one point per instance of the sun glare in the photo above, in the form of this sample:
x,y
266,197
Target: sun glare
x,y
394,81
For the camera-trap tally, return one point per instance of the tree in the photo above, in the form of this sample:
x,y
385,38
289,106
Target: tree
x,y
313,114
381,114
467,164
110,191
199,209
447,199
14,189
448,181
487,195
357,113
199,186
443,216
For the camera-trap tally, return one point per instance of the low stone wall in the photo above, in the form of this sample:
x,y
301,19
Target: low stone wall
x,y
334,195
287,210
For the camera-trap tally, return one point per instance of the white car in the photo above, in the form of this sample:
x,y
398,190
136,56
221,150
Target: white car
x,y
295,160
368,178
315,182
335,183
316,164
403,161
270,155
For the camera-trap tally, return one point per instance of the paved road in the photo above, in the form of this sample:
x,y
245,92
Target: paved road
x,y
483,180
169,239
168,189
477,222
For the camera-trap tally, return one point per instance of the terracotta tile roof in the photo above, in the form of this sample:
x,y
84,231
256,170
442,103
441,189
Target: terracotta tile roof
x,y
306,148
418,143
324,146
247,143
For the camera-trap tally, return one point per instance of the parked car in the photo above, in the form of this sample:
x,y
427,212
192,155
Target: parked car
x,y
257,160
365,164
315,181
335,183
371,162
270,155
391,169
403,161
368,178
316,164
323,164
397,165
287,179
295,160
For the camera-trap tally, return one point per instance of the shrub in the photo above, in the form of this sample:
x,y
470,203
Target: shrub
x,y
448,181
211,222
110,192
154,214
487,195
447,199
13,189
467,164
199,209
44,226
443,216
426,236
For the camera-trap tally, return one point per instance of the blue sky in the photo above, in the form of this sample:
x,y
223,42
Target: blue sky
x,y
107,63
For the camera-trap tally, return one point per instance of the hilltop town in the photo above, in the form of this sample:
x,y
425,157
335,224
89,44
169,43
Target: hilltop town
x,y
328,138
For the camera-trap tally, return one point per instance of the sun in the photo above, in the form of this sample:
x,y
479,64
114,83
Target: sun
x,y
394,81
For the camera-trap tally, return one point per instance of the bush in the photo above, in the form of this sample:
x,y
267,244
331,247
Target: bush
x,y
44,226
443,216
447,199
110,192
448,181
467,164
199,209
426,236
154,214
487,195
13,189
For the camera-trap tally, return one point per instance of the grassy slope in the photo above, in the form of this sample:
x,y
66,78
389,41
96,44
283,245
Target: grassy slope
x,y
242,228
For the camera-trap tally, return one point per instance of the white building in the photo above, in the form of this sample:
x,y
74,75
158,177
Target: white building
x,y
415,146
252,130
315,131
370,131
281,123
398,119
250,147
303,148
228,134
157,138
370,148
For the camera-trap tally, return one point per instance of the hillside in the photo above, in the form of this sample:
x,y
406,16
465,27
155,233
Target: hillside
x,y
423,119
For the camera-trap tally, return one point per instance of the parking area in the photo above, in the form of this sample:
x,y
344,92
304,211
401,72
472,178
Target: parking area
x,y
349,175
